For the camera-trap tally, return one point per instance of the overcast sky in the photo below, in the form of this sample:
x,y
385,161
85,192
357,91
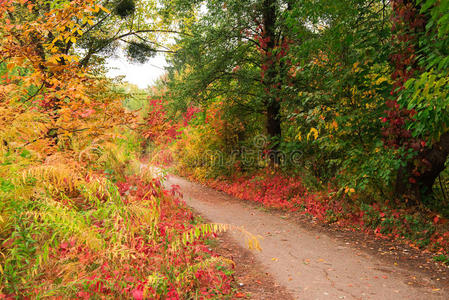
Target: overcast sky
x,y
141,75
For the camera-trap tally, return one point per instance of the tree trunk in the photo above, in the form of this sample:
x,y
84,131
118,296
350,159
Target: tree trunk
x,y
432,162
272,99
435,160
273,127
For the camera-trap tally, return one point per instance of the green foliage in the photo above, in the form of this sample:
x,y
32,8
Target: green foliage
x,y
343,81
38,212
332,96
442,258
427,94
389,223
439,16
220,58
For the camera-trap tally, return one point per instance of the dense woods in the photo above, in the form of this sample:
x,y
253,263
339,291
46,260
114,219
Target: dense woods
x,y
356,87
333,108
337,109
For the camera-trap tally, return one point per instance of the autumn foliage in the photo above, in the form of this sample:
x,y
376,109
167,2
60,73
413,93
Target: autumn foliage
x,y
80,217
334,109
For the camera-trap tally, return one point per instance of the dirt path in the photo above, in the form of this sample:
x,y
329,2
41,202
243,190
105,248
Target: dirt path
x,y
309,265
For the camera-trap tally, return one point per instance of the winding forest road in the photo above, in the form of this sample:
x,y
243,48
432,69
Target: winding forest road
x,y
307,264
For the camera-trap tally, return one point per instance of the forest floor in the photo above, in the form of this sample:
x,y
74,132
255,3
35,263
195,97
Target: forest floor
x,y
304,260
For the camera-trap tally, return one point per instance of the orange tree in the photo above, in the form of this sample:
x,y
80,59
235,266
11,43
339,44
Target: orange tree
x,y
46,97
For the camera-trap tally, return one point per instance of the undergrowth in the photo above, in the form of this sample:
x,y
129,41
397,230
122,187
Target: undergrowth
x,y
101,226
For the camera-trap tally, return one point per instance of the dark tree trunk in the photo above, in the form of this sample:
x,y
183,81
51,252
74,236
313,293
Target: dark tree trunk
x,y
431,163
272,99
435,160
274,122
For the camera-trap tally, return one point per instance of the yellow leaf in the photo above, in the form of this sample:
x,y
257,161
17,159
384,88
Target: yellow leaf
x,y
313,132
53,59
380,80
104,9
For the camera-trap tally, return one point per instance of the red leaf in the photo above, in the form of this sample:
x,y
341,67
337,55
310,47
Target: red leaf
x,y
436,219
138,294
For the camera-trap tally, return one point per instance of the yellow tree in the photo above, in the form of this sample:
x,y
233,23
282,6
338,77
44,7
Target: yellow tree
x,y
46,97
